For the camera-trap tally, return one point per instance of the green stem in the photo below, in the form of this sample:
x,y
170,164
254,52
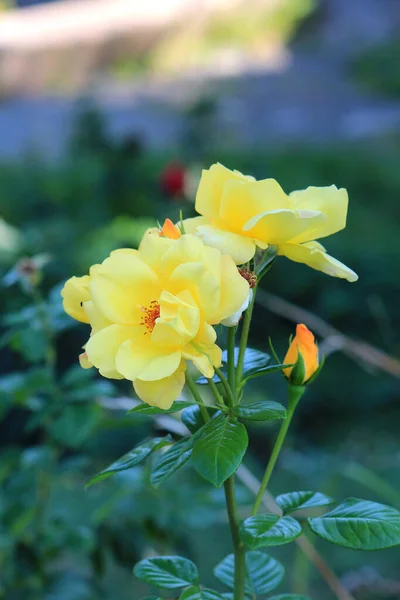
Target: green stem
x,y
197,398
231,360
47,330
219,399
238,547
229,394
243,339
295,393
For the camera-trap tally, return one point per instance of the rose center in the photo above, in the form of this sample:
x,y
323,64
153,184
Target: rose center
x,y
151,314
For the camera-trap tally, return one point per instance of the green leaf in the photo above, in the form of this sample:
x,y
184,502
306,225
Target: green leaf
x,y
260,411
145,409
254,362
76,423
299,500
132,458
269,530
359,524
167,572
298,372
192,418
257,363
171,460
219,449
263,573
195,593
289,597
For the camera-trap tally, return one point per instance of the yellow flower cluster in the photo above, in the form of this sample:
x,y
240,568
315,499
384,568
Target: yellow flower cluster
x,y
240,214
152,309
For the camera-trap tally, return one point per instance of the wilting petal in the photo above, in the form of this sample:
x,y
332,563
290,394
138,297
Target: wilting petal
x,y
280,226
84,361
328,200
74,293
164,392
311,254
145,361
239,247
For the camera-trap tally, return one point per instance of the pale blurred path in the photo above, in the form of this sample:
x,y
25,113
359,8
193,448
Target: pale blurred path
x,y
310,98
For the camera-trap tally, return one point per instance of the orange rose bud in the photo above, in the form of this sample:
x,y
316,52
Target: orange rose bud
x,y
169,230
302,344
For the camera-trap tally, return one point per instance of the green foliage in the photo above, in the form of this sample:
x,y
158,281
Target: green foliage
x,y
263,573
170,461
289,597
132,458
195,593
269,530
145,409
378,68
255,364
293,501
260,411
167,572
60,423
360,525
219,449
192,417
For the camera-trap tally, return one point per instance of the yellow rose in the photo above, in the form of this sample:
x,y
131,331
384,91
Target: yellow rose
x,y
152,309
240,214
303,343
74,293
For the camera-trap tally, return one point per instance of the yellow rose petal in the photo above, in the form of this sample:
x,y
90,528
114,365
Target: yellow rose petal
x,y
211,187
145,361
242,202
102,348
74,293
164,392
280,226
239,247
311,254
330,201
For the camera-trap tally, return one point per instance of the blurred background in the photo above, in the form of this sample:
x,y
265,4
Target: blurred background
x,y
109,109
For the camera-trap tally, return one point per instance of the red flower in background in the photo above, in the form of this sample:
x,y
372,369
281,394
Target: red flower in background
x,y
173,179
